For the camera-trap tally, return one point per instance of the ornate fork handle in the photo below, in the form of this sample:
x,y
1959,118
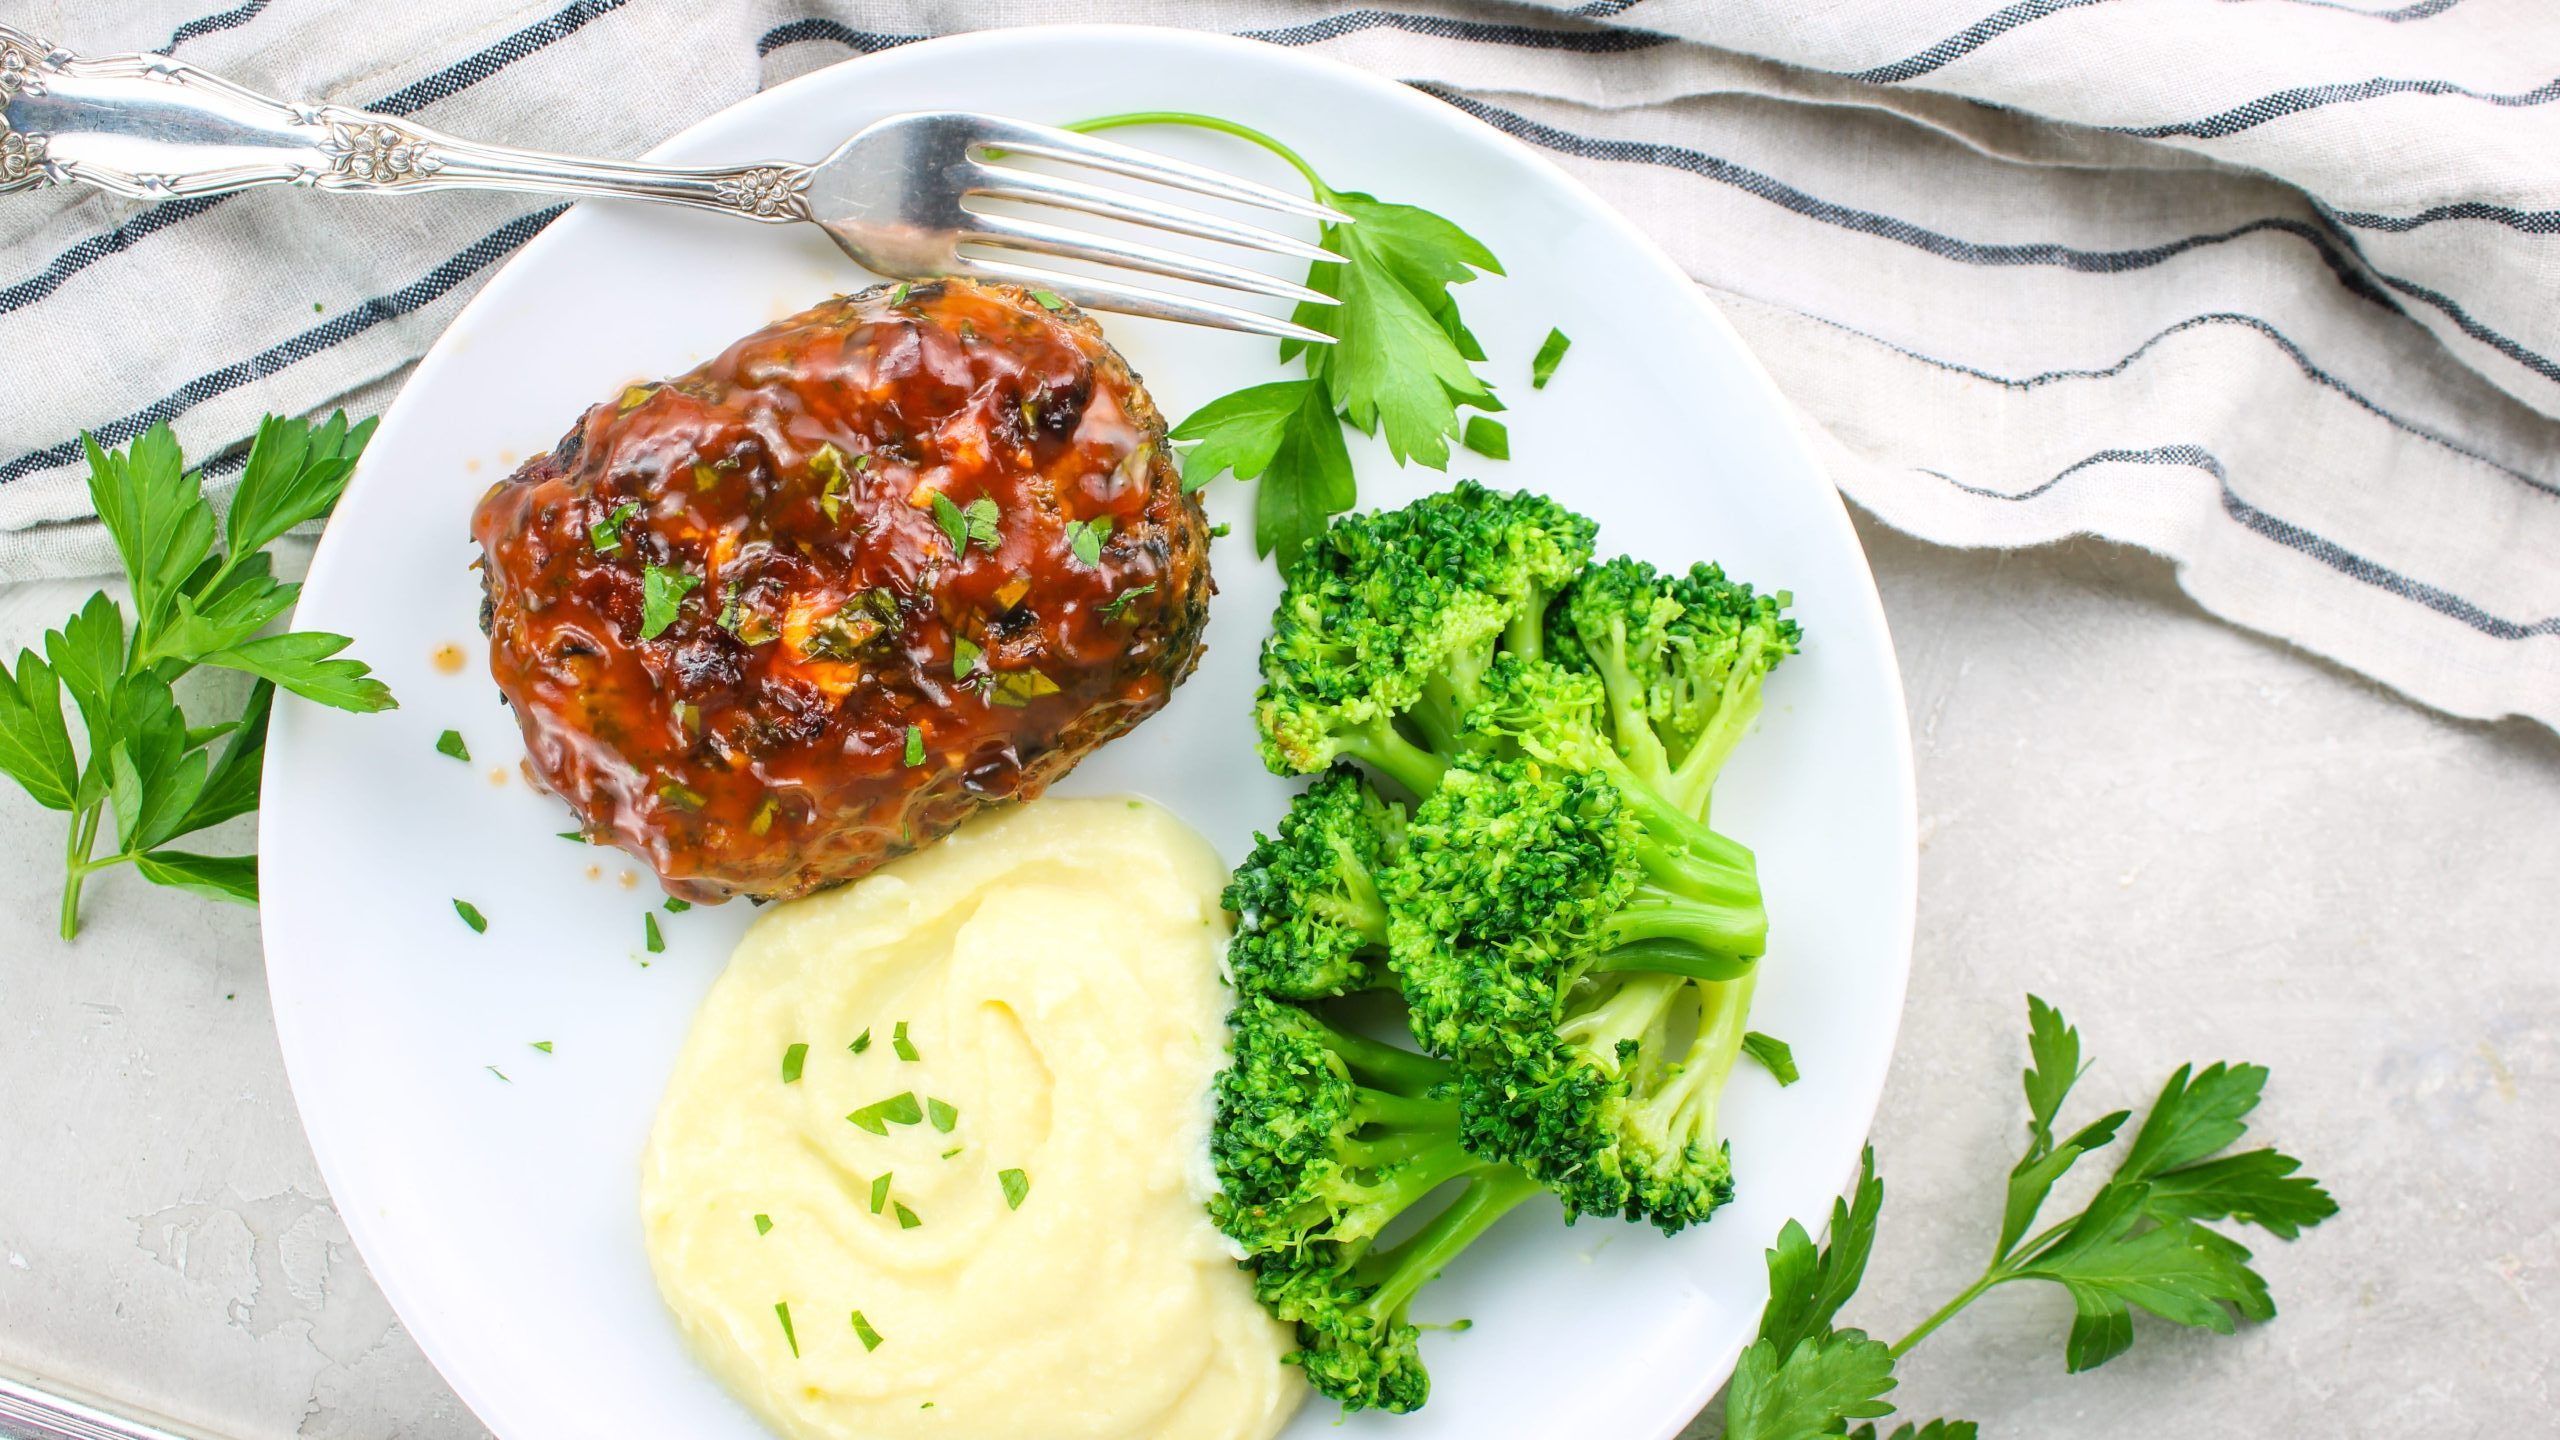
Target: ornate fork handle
x,y
149,127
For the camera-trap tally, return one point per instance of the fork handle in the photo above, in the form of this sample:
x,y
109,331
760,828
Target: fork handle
x,y
150,128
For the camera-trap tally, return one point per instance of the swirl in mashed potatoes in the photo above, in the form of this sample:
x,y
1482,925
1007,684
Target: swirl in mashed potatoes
x,y
1023,1240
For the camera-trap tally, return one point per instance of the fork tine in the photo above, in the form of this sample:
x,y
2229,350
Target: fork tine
x,y
1029,187
1068,147
1122,299
1011,232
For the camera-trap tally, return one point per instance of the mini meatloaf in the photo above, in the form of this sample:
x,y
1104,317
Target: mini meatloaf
x,y
881,565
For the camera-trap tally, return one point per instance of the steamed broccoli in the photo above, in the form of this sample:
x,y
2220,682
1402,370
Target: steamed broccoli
x,y
1589,980
1390,622
1310,921
1682,658
1574,945
1322,1139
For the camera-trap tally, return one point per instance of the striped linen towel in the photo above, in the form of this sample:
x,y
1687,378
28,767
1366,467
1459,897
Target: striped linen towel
x,y
2268,287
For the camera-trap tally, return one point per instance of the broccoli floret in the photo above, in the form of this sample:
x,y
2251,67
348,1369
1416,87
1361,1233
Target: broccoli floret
x,y
1555,946
1310,921
1520,547
1321,1140
1682,658
1391,620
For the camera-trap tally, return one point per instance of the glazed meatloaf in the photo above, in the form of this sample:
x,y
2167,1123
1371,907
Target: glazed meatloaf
x,y
896,559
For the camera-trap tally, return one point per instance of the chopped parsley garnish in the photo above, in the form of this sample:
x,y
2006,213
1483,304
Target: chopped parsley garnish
x,y
1773,1055
975,525
635,396
1487,437
764,1224
829,462
899,1042
727,619
880,1194
862,1330
1016,1185
1085,537
578,835
943,1113
1049,300
782,1312
605,536
542,1045
954,1150
915,746
899,295
907,1219
661,591
679,795
1221,530
1016,688
1550,355
967,659
494,1070
860,1043
450,743
676,906
1113,608
765,812
900,1109
792,1060
471,916
651,936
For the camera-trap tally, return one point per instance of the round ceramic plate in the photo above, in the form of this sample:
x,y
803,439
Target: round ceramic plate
x,y
500,1214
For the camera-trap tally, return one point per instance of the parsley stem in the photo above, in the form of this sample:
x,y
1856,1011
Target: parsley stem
x,y
75,857
1947,1311
1207,122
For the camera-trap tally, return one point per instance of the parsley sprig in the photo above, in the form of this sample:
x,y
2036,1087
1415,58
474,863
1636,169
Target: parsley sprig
x,y
2142,1242
203,593
1402,365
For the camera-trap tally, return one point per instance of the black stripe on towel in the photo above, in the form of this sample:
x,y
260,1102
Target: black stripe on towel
x,y
2283,103
337,330
231,19
2293,537
2301,359
442,85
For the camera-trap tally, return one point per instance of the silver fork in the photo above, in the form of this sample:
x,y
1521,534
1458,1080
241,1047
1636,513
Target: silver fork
x,y
897,197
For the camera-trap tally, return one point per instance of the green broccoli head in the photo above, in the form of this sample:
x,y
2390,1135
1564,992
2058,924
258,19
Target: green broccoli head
x,y
1518,546
1554,946
1363,634
1391,619
1321,1139
1310,920
1681,657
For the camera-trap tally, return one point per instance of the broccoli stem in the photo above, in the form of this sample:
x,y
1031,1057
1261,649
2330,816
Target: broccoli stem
x,y
1357,905
1691,1092
1666,957
1637,744
1526,635
1387,1069
1694,780
1400,1273
1378,745
1708,928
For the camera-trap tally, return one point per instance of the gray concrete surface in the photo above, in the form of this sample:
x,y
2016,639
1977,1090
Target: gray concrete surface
x,y
2199,843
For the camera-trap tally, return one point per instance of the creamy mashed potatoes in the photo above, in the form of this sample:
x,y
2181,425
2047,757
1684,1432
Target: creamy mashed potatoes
x,y
1054,970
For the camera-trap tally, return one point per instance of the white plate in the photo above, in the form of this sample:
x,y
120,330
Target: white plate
x,y
501,1218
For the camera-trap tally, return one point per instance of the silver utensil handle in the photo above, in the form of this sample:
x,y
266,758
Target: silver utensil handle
x,y
29,1411
149,127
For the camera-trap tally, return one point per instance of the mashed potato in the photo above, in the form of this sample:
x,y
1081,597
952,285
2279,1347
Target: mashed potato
x,y
1023,1241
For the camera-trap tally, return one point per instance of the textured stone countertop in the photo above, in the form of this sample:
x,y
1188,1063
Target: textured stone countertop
x,y
2200,844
